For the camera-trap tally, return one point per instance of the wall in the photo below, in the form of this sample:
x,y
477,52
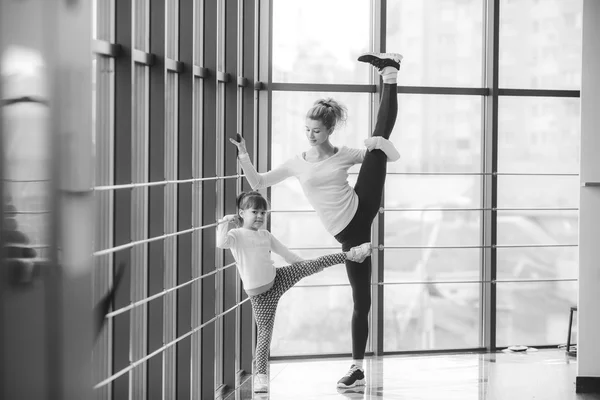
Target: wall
x,y
589,215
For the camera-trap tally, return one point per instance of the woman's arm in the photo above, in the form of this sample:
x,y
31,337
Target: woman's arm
x,y
279,248
262,180
225,240
255,179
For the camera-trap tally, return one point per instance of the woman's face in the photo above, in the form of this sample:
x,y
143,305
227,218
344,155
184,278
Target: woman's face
x,y
316,132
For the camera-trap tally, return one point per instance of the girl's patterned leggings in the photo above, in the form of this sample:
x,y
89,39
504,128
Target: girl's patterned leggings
x,y
264,305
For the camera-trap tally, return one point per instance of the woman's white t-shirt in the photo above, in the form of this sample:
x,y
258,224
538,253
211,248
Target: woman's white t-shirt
x,y
324,183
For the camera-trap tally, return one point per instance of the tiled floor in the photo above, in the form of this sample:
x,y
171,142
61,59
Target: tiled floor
x,y
543,375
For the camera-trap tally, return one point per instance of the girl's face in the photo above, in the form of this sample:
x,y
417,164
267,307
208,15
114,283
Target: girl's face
x,y
316,132
253,218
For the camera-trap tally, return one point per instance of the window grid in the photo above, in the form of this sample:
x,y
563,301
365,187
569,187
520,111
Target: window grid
x,y
200,95
491,94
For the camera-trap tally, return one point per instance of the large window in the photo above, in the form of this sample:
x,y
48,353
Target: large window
x,y
441,40
462,172
540,44
537,229
315,38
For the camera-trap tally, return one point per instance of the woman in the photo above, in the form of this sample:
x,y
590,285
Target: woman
x,y
347,213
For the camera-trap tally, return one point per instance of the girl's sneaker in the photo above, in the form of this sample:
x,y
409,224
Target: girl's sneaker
x,y
261,383
359,253
382,60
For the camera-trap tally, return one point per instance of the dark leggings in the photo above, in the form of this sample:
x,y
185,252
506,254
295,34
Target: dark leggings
x,y
369,189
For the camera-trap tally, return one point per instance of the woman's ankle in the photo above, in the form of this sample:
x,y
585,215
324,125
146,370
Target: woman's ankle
x,y
389,75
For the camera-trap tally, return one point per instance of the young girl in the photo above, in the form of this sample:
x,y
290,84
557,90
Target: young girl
x,y
251,248
347,213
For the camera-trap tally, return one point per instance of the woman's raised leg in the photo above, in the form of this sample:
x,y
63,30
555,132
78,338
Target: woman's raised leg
x,y
371,178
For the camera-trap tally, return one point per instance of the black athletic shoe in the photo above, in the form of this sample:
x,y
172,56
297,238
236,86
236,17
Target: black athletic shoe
x,y
382,60
354,377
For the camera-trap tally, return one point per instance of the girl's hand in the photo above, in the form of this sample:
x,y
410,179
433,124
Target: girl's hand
x,y
237,221
240,143
233,219
228,218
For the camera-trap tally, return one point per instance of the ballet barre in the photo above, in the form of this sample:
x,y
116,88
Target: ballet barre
x,y
487,173
164,292
9,180
382,210
442,282
149,240
163,183
15,212
166,346
495,209
492,246
495,281
29,246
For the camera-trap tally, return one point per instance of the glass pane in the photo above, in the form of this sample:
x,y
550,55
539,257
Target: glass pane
x,y
306,312
313,321
304,230
414,191
538,263
288,140
94,19
418,265
289,115
536,228
27,158
433,228
534,314
540,44
318,41
438,133
537,134
431,317
538,191
442,41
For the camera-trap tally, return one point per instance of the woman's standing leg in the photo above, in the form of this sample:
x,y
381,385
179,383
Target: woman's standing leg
x,y
369,188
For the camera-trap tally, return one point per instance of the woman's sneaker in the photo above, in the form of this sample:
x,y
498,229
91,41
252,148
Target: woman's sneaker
x,y
354,377
261,383
359,253
382,60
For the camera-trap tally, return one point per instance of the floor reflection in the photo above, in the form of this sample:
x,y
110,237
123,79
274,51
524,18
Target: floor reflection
x,y
544,374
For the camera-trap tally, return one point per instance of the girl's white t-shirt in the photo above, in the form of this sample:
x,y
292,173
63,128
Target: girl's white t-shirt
x,y
324,183
252,253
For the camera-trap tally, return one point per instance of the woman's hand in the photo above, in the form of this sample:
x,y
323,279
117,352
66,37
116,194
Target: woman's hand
x,y
240,143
